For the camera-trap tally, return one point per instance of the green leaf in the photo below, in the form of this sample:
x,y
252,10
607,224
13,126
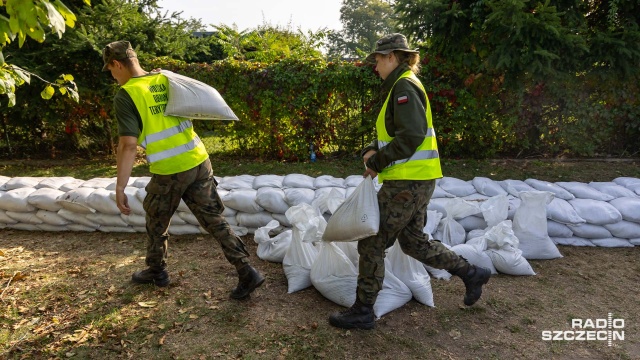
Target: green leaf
x,y
56,21
48,92
67,77
63,90
22,74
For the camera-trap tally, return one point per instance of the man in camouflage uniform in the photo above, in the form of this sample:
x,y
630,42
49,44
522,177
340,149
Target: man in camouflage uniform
x,y
179,164
405,159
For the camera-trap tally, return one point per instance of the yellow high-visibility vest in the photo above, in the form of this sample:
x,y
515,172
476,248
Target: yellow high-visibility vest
x,y
171,144
424,164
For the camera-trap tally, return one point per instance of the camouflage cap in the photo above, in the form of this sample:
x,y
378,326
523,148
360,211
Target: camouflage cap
x,y
117,50
389,43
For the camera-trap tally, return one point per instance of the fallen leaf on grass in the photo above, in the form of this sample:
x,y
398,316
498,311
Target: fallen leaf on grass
x,y
148,304
161,341
19,276
193,316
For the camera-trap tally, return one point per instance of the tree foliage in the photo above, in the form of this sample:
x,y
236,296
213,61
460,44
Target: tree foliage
x,y
24,19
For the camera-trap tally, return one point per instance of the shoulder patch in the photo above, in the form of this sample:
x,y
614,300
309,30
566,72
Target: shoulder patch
x,y
403,99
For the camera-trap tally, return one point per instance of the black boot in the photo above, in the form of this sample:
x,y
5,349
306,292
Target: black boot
x,y
152,275
473,279
358,316
249,279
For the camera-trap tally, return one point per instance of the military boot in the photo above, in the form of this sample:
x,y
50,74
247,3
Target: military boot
x,y
152,275
358,316
473,279
248,280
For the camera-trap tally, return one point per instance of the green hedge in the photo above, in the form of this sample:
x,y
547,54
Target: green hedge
x,y
286,106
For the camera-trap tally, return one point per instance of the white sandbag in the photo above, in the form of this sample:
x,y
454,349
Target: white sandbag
x,y
23,226
589,231
239,230
45,198
630,183
583,191
350,248
116,229
509,260
77,218
80,227
5,219
17,200
472,222
572,241
300,254
353,180
440,205
243,200
272,199
456,187
335,200
76,200
193,99
134,220
297,196
24,217
450,232
515,187
439,193
514,204
228,212
612,242
132,199
393,295
98,183
237,182
322,195
412,273
185,229
272,248
328,181
495,210
102,200
51,218
475,256
298,181
141,182
612,189
21,182
475,234
358,217
274,181
440,274
488,187
49,227
501,236
558,191
433,220
74,184
476,197
596,212
256,220
624,229
530,226
556,229
3,180
561,211
628,207
334,275
282,219
188,217
54,182
114,184
107,220
177,220
635,242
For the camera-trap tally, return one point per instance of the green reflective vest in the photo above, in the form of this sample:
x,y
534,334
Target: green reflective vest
x,y
424,164
171,144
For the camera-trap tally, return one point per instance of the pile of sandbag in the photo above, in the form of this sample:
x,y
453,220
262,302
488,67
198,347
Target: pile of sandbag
x,y
578,214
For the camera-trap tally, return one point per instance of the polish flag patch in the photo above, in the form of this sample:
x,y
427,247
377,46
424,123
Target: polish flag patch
x,y
403,99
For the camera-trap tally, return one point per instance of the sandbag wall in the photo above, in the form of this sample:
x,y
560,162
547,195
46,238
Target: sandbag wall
x,y
595,214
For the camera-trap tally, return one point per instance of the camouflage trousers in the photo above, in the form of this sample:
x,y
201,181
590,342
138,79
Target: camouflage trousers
x,y
403,216
197,187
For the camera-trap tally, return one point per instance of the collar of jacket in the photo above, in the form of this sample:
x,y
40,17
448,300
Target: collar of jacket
x,y
391,79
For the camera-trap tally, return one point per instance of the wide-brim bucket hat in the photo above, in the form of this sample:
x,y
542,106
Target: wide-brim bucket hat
x,y
389,43
117,50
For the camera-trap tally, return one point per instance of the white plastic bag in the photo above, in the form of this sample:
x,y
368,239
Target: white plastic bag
x,y
357,217
193,99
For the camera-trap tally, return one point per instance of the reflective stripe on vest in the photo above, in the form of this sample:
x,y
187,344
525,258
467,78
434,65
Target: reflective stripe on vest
x,y
424,164
170,142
